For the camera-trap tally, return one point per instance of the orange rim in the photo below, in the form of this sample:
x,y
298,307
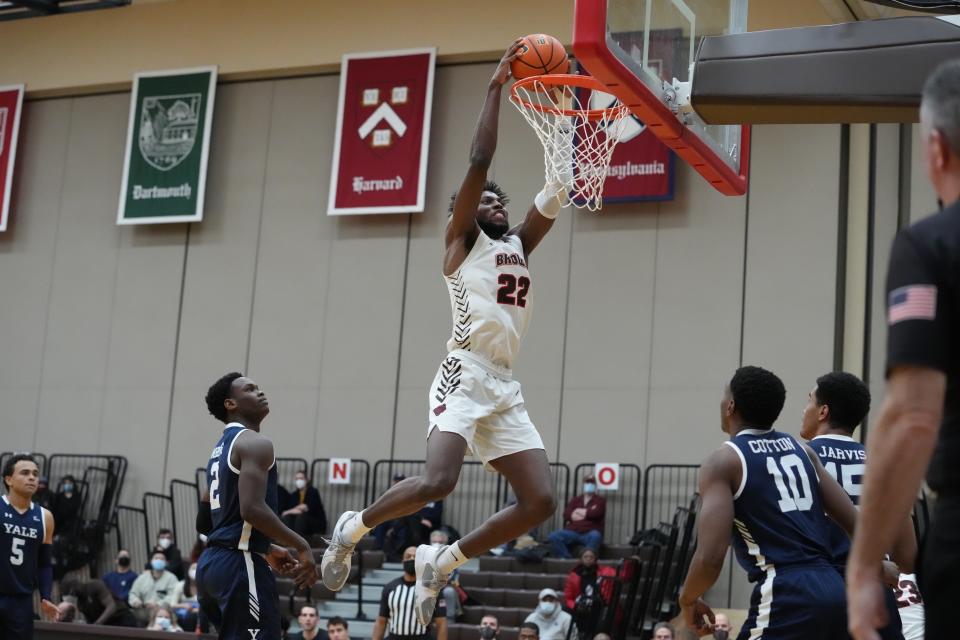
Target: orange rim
x,y
563,80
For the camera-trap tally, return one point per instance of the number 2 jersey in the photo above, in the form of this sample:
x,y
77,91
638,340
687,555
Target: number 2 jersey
x,y
490,300
21,535
779,519
223,480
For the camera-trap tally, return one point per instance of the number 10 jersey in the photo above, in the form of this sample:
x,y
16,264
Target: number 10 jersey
x,y
490,300
779,520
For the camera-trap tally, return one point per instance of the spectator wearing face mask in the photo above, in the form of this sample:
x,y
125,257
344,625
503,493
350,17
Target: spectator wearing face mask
x,y
66,506
582,522
554,623
721,627
168,548
489,628
303,510
153,588
120,580
187,609
162,619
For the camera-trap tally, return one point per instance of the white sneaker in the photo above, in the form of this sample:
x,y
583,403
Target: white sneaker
x,y
335,566
429,582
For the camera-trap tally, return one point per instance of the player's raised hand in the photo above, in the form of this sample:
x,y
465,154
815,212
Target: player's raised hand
x,y
50,610
281,560
865,607
503,69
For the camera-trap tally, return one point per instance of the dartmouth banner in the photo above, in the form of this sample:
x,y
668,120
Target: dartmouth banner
x,y
168,140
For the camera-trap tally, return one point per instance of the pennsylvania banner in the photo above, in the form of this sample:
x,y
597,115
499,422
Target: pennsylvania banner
x,y
383,132
11,105
168,141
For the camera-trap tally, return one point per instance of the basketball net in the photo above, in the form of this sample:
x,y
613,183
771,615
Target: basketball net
x,y
578,142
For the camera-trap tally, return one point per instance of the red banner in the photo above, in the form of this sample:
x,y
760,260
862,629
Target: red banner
x,y
383,129
11,105
641,167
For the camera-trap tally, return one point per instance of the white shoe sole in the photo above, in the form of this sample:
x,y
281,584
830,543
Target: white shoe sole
x,y
334,573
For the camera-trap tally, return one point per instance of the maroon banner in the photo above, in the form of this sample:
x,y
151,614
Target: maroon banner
x,y
11,105
641,167
383,129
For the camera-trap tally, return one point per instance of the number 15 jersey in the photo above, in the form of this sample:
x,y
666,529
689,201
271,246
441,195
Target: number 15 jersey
x,y
778,512
490,300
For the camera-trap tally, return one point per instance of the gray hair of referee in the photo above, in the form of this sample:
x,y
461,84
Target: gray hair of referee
x,y
940,127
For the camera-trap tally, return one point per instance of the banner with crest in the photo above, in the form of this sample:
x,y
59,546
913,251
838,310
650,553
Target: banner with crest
x,y
168,143
11,106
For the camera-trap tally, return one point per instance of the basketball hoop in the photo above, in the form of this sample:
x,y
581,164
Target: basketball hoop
x,y
578,141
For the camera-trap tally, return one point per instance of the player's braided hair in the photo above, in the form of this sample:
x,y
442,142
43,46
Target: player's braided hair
x,y
489,185
218,392
847,397
11,464
758,395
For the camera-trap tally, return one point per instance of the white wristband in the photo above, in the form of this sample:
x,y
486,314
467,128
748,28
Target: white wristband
x,y
548,201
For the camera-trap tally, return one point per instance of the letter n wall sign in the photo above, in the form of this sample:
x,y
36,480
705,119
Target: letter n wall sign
x,y
383,132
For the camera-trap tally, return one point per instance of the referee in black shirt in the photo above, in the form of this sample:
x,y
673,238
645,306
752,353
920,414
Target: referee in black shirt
x,y
923,389
397,614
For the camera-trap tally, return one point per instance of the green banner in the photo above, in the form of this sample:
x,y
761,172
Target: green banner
x,y
168,139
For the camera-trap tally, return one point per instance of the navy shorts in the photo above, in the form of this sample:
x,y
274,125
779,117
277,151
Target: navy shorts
x,y
16,617
238,593
798,603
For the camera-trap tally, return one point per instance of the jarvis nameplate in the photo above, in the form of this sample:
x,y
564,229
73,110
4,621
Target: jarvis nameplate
x,y
168,139
383,129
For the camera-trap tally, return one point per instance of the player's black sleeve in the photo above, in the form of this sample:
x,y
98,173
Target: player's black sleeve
x,y
204,521
915,335
384,607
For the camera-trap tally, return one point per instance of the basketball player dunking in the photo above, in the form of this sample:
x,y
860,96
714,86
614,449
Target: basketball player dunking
x,y
473,403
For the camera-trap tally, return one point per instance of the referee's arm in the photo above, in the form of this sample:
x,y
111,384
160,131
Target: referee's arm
x,y
902,440
380,626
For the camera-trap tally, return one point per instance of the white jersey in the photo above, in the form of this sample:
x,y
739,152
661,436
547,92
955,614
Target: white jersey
x,y
911,607
490,300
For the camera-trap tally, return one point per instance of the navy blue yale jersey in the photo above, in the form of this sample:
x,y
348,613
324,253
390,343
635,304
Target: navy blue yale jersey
x,y
223,479
844,459
21,535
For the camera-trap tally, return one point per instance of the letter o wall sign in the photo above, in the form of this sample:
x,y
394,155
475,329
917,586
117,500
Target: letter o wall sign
x,y
383,132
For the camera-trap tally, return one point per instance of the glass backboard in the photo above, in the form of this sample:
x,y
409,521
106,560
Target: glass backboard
x,y
644,51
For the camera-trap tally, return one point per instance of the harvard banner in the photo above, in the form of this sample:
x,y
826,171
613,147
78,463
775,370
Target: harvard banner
x,y
11,104
168,139
383,129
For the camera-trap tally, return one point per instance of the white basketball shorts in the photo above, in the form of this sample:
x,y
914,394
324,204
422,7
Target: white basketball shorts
x,y
482,403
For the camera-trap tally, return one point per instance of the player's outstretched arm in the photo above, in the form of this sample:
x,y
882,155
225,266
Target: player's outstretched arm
x,y
719,473
836,502
254,453
462,228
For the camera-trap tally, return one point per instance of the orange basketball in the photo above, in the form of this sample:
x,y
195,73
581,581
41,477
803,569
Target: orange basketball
x,y
540,54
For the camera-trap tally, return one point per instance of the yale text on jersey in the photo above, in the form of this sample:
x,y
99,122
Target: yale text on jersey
x,y
17,530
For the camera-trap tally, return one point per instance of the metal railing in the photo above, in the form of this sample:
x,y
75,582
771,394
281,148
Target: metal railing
x,y
336,497
39,457
287,468
159,514
185,503
666,487
623,505
132,535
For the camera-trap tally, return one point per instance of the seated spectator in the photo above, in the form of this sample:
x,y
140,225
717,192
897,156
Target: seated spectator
x,y
338,629
67,612
97,604
664,631
66,506
309,621
162,619
721,626
43,497
168,548
530,631
187,609
489,627
582,522
553,622
153,588
394,536
587,589
303,512
120,580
